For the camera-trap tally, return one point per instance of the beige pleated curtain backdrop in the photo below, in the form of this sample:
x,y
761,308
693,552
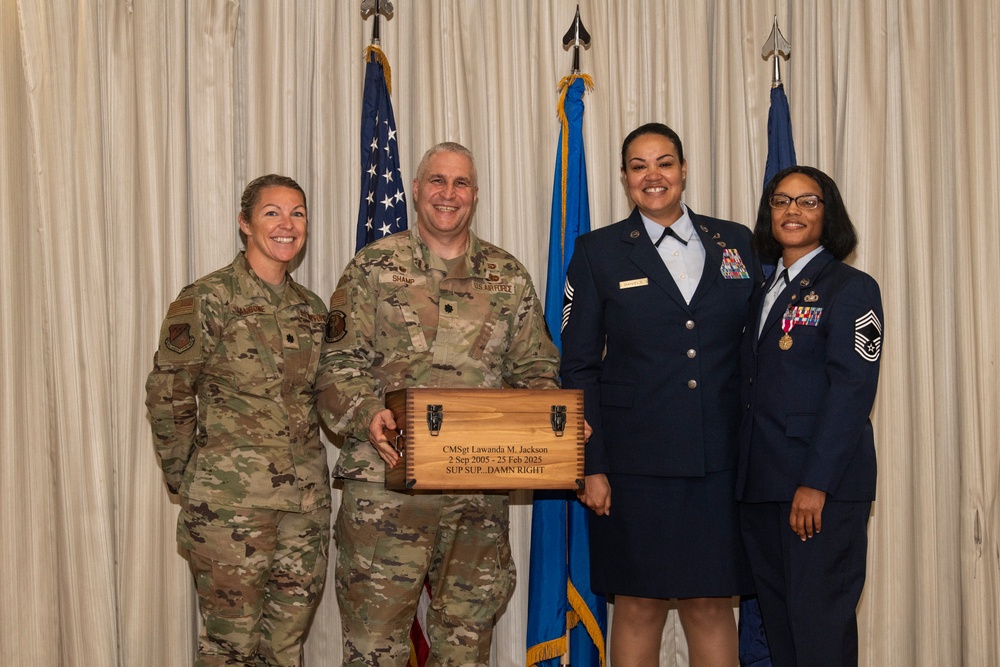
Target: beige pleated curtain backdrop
x,y
129,128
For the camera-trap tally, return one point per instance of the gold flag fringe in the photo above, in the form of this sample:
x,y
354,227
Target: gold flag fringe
x,y
553,648
373,51
586,616
564,125
579,613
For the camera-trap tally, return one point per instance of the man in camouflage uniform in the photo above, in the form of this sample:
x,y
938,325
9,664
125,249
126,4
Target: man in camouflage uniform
x,y
431,307
232,403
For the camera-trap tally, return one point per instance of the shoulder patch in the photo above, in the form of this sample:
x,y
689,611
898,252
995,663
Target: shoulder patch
x,y
336,326
181,307
179,338
338,299
180,333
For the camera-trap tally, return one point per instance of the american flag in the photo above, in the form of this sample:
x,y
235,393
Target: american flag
x,y
383,199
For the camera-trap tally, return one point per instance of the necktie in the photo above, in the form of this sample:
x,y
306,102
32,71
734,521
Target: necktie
x,y
668,231
771,296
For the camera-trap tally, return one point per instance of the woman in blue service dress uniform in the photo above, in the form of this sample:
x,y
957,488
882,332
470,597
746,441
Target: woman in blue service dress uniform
x,y
655,307
806,479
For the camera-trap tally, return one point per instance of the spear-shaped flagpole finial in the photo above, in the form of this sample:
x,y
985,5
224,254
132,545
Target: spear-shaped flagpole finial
x,y
776,46
576,37
376,7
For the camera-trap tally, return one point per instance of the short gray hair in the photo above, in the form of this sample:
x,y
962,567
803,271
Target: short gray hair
x,y
446,147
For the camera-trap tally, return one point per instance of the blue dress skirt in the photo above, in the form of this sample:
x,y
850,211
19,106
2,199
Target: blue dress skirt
x,y
670,537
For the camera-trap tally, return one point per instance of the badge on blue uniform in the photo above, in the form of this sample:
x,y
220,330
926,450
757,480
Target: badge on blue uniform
x,y
807,316
732,265
868,336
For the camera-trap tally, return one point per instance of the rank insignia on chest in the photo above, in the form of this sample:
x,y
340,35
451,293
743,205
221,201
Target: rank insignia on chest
x,y
732,265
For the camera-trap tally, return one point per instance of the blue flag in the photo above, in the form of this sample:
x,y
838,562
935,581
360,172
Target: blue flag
x,y
560,601
754,651
383,199
780,147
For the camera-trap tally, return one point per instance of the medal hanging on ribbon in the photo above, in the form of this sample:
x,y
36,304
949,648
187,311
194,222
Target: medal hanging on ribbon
x,y
787,322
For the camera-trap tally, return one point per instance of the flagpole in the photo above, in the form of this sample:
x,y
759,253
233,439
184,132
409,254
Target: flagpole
x,y
753,648
562,609
377,8
776,47
382,206
575,37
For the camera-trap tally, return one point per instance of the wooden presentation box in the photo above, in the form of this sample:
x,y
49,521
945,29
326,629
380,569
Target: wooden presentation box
x,y
486,439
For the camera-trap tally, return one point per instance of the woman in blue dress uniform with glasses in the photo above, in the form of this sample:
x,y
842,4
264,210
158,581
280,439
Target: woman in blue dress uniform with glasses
x,y
806,477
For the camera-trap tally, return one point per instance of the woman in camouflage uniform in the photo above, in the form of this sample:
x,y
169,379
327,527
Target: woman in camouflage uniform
x,y
232,404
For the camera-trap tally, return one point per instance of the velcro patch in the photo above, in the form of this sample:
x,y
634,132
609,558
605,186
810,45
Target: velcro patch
x,y
179,338
181,307
336,326
338,299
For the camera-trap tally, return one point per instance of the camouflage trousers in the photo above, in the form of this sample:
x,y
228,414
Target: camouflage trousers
x,y
387,542
259,575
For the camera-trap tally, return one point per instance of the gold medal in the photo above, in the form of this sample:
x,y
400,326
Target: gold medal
x,y
785,342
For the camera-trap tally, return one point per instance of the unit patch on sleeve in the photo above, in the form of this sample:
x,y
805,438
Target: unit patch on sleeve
x,y
336,326
868,336
179,338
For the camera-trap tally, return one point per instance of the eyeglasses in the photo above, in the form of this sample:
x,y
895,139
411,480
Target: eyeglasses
x,y
805,202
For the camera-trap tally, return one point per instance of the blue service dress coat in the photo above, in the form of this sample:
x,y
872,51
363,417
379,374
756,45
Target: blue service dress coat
x,y
661,391
806,409
806,423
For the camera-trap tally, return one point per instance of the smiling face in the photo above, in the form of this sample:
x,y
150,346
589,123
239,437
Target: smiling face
x,y
797,230
444,196
654,177
276,231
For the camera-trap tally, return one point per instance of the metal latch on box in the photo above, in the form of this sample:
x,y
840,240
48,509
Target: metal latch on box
x,y
558,419
435,415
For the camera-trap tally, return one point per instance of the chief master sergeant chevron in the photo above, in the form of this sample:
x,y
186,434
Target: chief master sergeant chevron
x,y
434,306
